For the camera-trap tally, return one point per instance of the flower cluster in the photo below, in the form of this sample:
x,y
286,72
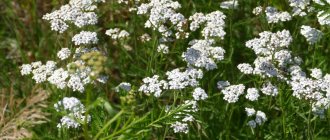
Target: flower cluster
x,y
77,74
116,33
199,94
260,117
75,111
275,60
85,38
232,92
202,54
145,37
302,7
257,10
123,86
185,117
77,12
214,24
175,80
245,68
180,127
312,35
222,84
299,7
269,89
180,80
162,12
321,2
252,94
162,48
64,53
39,71
152,85
315,89
323,18
273,16
272,53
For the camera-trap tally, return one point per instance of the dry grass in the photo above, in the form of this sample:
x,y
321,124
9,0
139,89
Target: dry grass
x,y
19,115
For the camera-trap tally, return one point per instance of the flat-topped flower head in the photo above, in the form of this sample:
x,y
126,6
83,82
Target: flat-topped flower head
x,y
252,94
213,24
312,35
64,53
85,38
152,85
202,54
124,86
199,94
75,112
245,68
232,93
299,7
117,33
273,16
77,12
26,69
161,12
162,48
179,127
222,84
269,89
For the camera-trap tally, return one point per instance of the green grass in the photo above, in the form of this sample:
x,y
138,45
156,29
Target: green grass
x,y
25,38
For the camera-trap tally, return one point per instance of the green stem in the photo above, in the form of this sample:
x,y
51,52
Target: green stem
x,y
308,124
283,114
108,124
87,112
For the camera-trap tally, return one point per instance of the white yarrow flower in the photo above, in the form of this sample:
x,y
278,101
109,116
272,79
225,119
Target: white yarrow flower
x,y
232,93
77,12
162,48
312,35
116,33
179,127
199,94
273,16
85,38
76,84
323,18
252,94
202,54
151,85
64,53
222,84
245,68
26,69
260,117
250,111
123,86
257,10
269,89
58,78
252,124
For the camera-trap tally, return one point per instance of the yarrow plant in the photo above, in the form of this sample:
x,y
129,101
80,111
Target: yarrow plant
x,y
175,69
